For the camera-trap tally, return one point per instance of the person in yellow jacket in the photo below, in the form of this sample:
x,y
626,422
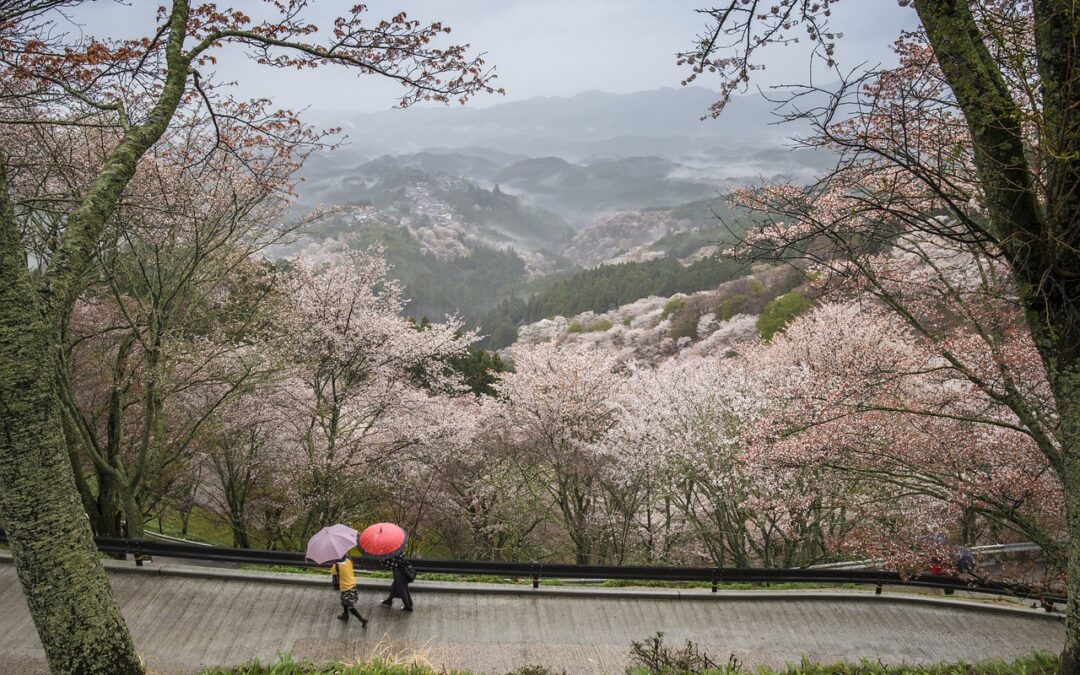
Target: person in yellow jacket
x,y
345,581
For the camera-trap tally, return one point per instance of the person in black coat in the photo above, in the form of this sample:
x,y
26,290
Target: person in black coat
x,y
404,573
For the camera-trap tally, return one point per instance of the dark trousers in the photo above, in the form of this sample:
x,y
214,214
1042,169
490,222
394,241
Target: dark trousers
x,y
400,588
348,602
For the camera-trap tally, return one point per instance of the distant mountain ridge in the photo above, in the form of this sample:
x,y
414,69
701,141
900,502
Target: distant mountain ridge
x,y
656,122
477,206
577,192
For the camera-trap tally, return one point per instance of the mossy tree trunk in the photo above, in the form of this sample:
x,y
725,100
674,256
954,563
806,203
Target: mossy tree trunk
x,y
61,573
63,580
1070,656
1038,233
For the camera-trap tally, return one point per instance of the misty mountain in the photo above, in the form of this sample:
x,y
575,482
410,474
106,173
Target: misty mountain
x,y
579,192
664,122
579,157
523,191
488,199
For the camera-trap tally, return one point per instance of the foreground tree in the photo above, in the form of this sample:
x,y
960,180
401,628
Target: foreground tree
x,y
911,448
136,88
167,335
557,406
977,125
682,434
357,383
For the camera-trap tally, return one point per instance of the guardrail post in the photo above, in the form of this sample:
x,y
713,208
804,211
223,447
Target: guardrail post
x,y
877,591
715,578
536,574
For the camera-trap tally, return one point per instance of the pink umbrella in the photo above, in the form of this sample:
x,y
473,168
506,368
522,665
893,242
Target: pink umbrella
x,y
330,543
382,540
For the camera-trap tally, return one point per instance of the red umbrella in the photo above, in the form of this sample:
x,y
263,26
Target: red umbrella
x,y
382,540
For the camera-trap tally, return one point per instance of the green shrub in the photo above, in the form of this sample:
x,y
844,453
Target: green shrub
x,y
653,657
595,327
671,306
729,307
684,324
779,313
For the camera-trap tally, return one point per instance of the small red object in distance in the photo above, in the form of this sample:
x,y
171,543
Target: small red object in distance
x,y
382,540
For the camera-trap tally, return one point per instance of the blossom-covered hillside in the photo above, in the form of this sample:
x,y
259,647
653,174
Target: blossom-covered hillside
x,y
623,236
705,323
688,231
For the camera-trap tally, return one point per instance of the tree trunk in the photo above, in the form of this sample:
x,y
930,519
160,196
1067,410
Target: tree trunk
x,y
63,580
1070,654
133,514
1067,394
239,532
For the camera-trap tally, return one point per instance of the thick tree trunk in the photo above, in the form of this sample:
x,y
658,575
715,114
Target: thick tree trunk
x,y
1070,653
1039,237
239,532
62,577
133,514
1067,394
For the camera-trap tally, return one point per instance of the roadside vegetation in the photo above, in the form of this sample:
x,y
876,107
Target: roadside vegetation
x,y
652,657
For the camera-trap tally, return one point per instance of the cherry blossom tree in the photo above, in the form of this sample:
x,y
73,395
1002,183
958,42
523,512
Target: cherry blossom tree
x,y
245,458
557,406
971,139
475,499
360,379
179,300
685,426
915,449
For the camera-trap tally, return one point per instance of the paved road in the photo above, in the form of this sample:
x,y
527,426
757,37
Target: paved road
x,y
185,618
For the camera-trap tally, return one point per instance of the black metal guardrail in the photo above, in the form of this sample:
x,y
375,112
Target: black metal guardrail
x,y
142,548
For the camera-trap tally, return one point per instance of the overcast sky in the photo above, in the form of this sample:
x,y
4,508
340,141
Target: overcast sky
x,y
539,47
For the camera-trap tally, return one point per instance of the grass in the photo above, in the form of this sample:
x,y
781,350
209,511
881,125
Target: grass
x,y
203,526
655,656
595,327
644,583
409,663
285,568
376,667
527,581
1035,664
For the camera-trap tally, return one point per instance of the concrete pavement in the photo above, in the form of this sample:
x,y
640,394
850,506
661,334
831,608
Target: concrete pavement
x,y
186,618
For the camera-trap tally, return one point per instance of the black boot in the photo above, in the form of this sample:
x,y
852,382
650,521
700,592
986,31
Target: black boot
x,y
363,621
387,602
344,616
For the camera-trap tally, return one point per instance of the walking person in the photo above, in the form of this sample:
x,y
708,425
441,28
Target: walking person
x,y
345,581
404,574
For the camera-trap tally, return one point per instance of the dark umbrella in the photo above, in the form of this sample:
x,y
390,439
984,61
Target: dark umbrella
x,y
382,540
